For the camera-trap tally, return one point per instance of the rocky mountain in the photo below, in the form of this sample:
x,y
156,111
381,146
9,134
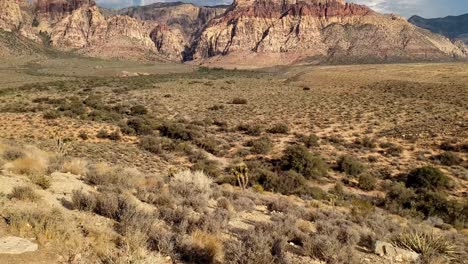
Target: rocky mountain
x,y
249,32
453,27
288,31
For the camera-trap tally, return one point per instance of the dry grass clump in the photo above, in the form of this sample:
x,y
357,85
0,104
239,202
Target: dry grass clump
x,y
299,159
105,175
45,225
28,166
24,193
202,247
41,180
75,166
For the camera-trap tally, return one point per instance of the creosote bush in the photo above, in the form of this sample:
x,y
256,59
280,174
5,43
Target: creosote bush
x,y
427,178
261,145
449,159
367,182
280,128
350,166
309,140
299,159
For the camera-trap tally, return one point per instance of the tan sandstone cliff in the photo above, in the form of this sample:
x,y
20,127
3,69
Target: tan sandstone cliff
x,y
280,32
247,33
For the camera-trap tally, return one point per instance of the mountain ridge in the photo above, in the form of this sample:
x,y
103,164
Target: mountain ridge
x,y
453,27
257,32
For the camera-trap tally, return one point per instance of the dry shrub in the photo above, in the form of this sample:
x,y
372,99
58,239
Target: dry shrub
x,y
24,193
193,188
11,154
225,204
83,201
202,247
45,225
104,174
41,180
28,166
75,166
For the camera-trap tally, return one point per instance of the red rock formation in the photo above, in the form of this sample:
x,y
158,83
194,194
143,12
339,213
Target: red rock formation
x,y
60,6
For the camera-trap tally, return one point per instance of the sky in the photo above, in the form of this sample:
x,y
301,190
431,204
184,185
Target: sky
x,y
406,8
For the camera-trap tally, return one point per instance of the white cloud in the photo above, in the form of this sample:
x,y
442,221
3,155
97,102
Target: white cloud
x,y
426,8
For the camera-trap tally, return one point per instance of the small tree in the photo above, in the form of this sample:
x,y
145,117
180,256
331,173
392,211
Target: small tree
x,y
241,171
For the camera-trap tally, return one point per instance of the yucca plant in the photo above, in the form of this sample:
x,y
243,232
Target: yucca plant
x,y
427,244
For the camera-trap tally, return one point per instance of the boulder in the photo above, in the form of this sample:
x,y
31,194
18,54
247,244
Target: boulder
x,y
16,245
387,250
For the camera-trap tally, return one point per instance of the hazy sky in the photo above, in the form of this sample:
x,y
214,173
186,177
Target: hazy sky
x,y
407,8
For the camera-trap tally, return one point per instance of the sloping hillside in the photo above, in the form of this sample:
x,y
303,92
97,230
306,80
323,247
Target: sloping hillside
x,y
453,27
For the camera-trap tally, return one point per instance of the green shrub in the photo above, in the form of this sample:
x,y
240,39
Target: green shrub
x,y
299,159
102,134
52,114
209,167
262,145
309,140
176,131
366,142
280,128
115,135
350,166
427,178
239,100
367,182
83,135
210,144
252,130
138,126
392,149
138,110
155,145
449,159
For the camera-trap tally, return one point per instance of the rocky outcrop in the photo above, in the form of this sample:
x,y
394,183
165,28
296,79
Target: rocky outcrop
x,y
88,32
394,253
453,27
10,15
249,32
316,30
186,19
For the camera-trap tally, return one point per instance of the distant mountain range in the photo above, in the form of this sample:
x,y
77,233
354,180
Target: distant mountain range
x,y
453,27
246,33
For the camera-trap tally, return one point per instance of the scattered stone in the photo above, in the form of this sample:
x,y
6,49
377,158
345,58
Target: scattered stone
x,y
388,250
16,245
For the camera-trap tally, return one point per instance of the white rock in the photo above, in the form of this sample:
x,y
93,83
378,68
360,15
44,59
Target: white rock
x,y
16,245
388,250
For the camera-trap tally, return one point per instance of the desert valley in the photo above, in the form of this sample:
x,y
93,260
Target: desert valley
x,y
264,131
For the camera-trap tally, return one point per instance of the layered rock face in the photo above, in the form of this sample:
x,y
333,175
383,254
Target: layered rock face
x,y
325,30
10,15
186,19
89,32
252,32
